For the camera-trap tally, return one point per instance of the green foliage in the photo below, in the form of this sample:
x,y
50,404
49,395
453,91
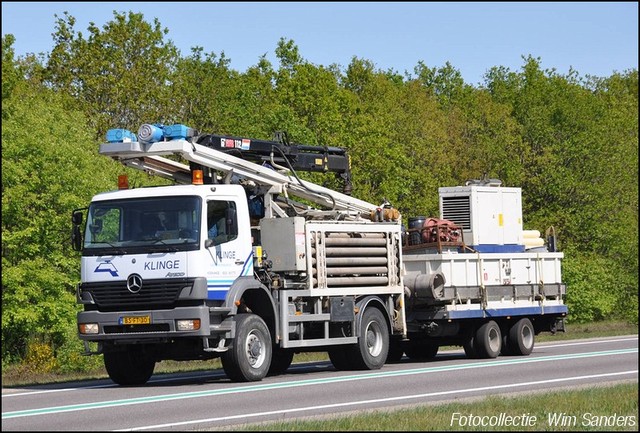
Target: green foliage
x,y
595,290
70,355
580,159
119,74
445,83
202,85
10,74
49,167
39,358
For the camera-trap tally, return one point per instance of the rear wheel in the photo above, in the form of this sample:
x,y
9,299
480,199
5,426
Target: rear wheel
x,y
339,356
131,366
373,345
395,351
521,338
488,340
249,356
372,348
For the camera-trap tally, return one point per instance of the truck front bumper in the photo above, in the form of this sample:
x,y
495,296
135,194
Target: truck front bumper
x,y
146,326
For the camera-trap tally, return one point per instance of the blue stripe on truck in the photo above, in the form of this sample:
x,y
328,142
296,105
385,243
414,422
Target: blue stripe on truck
x,y
503,312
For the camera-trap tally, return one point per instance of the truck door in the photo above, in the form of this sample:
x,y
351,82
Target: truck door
x,y
228,242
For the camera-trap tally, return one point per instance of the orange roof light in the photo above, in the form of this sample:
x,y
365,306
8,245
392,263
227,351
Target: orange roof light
x,y
197,178
123,181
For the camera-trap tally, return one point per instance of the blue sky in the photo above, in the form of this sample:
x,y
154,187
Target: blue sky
x,y
594,38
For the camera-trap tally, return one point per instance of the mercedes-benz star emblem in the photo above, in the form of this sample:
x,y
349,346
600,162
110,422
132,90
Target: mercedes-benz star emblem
x,y
134,283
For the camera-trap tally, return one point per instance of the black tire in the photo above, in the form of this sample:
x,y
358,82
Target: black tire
x,y
421,352
395,352
469,348
488,340
280,361
249,356
339,356
129,367
521,338
370,353
506,349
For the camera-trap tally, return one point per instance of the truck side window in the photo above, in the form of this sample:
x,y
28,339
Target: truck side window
x,y
222,225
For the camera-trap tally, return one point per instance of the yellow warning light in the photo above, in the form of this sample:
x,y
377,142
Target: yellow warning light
x,y
197,177
123,181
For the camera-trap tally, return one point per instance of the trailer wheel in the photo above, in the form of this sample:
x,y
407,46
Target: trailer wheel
x,y
280,361
506,349
129,367
249,357
488,340
422,352
373,345
469,348
521,338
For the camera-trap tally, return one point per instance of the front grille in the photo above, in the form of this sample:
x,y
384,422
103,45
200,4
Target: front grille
x,y
126,329
154,294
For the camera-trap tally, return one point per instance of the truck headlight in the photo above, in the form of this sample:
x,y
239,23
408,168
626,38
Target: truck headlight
x,y
188,325
88,328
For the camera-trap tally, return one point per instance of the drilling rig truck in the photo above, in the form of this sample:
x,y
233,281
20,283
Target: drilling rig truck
x,y
241,259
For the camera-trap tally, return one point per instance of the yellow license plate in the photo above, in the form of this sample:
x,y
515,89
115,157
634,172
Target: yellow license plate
x,y
135,320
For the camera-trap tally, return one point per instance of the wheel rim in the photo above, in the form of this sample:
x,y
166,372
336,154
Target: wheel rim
x,y
527,337
494,340
374,339
255,350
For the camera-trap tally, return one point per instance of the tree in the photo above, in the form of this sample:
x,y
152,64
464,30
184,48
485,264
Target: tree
x,y
120,75
581,165
10,74
204,89
444,83
49,167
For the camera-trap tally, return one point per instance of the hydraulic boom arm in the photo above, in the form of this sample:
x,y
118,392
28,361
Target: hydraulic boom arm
x,y
151,156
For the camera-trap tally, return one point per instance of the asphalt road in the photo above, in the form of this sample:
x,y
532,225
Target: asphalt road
x,y
207,400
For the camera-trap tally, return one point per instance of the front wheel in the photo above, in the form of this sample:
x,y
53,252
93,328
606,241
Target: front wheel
x,y
249,357
280,361
131,366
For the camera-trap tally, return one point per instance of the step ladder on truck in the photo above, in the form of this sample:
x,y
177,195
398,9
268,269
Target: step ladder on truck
x,y
225,263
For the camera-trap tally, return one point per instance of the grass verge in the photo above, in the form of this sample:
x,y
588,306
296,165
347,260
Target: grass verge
x,y
607,408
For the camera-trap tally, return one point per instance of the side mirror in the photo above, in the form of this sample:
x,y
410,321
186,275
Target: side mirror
x,y
76,234
76,238
76,218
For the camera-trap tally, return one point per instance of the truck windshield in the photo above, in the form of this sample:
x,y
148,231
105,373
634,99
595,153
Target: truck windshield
x,y
143,224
